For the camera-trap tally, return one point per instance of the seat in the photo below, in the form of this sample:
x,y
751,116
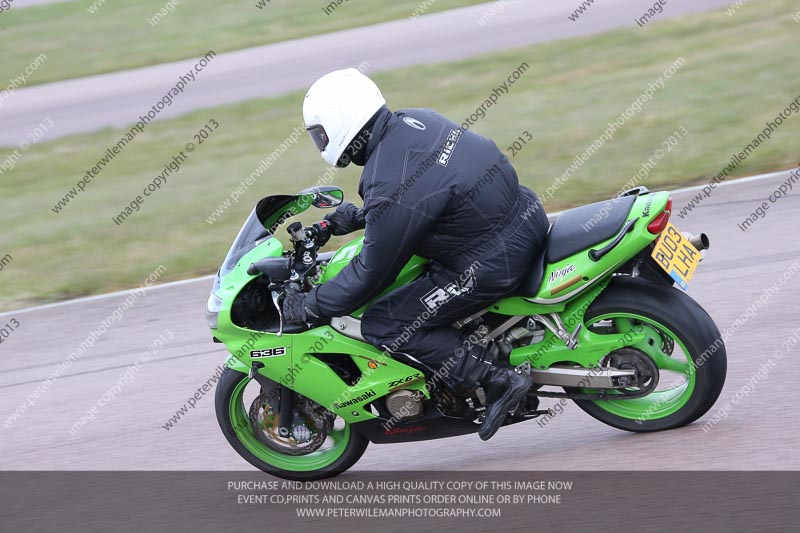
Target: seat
x,y
530,287
568,236
582,227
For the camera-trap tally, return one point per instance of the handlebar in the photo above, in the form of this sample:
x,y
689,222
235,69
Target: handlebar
x,y
320,232
307,241
283,271
323,231
275,268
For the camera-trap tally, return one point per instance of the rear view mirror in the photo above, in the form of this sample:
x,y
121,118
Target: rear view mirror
x,y
325,196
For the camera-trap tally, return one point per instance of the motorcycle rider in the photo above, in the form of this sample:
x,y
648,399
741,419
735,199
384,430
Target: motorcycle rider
x,y
432,189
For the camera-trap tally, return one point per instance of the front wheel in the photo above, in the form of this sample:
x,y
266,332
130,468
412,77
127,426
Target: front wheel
x,y
321,445
684,354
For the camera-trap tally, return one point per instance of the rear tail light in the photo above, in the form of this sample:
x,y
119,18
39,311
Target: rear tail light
x,y
658,224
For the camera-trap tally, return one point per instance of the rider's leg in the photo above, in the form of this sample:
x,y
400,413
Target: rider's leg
x,y
416,320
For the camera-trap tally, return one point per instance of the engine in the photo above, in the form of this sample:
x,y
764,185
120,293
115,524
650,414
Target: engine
x,y
405,405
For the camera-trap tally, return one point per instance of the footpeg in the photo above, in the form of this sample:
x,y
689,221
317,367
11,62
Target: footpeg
x,y
524,369
559,329
572,342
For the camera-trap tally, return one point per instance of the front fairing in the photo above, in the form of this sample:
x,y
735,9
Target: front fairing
x,y
254,241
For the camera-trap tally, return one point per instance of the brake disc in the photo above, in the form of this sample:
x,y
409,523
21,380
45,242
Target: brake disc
x,y
667,344
310,426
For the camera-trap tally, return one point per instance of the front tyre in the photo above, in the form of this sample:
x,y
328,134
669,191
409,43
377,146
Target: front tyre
x,y
247,426
684,343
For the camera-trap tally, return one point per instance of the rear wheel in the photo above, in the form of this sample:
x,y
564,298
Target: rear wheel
x,y
320,446
682,363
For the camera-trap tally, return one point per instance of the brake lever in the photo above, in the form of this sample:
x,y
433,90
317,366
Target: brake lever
x,y
275,297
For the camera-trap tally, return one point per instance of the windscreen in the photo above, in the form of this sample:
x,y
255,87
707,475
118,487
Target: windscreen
x,y
269,213
245,241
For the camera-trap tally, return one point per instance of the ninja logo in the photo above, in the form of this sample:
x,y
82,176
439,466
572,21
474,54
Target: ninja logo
x,y
561,272
439,296
449,146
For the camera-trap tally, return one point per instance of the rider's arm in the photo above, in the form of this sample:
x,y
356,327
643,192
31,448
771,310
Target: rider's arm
x,y
392,234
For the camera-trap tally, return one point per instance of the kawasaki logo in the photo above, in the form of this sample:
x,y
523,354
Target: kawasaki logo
x,y
357,399
646,212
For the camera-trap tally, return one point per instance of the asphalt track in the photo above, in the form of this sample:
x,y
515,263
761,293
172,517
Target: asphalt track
x,y
118,99
758,433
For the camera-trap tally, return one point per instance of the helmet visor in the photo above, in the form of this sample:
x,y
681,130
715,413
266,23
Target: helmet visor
x,y
319,136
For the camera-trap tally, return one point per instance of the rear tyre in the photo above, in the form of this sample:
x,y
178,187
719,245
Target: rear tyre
x,y
247,431
691,346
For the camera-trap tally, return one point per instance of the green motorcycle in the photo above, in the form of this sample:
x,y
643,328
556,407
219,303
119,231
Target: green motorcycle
x,y
598,321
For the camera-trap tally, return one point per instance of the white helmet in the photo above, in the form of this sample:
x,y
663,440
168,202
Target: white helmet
x,y
336,108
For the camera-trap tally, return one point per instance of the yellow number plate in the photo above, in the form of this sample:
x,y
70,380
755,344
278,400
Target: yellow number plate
x,y
676,255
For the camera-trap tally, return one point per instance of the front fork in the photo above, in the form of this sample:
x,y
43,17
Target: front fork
x,y
286,400
286,411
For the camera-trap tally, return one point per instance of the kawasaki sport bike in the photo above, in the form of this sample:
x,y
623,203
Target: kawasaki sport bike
x,y
598,321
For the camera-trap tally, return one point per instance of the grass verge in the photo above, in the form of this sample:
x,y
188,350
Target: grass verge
x,y
118,36
737,74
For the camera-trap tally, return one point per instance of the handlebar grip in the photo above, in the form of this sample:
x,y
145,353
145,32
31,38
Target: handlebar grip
x,y
323,231
277,269
330,223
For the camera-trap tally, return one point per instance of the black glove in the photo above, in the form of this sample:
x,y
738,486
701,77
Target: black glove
x,y
346,219
294,305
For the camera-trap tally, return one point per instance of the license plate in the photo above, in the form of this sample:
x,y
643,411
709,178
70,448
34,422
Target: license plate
x,y
676,255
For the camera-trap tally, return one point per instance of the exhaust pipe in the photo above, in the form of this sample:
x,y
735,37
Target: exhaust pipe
x,y
700,242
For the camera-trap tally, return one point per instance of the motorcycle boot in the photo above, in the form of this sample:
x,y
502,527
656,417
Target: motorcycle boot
x,y
504,388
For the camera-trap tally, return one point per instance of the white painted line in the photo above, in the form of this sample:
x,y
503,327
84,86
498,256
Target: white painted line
x,y
96,297
106,295
737,181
